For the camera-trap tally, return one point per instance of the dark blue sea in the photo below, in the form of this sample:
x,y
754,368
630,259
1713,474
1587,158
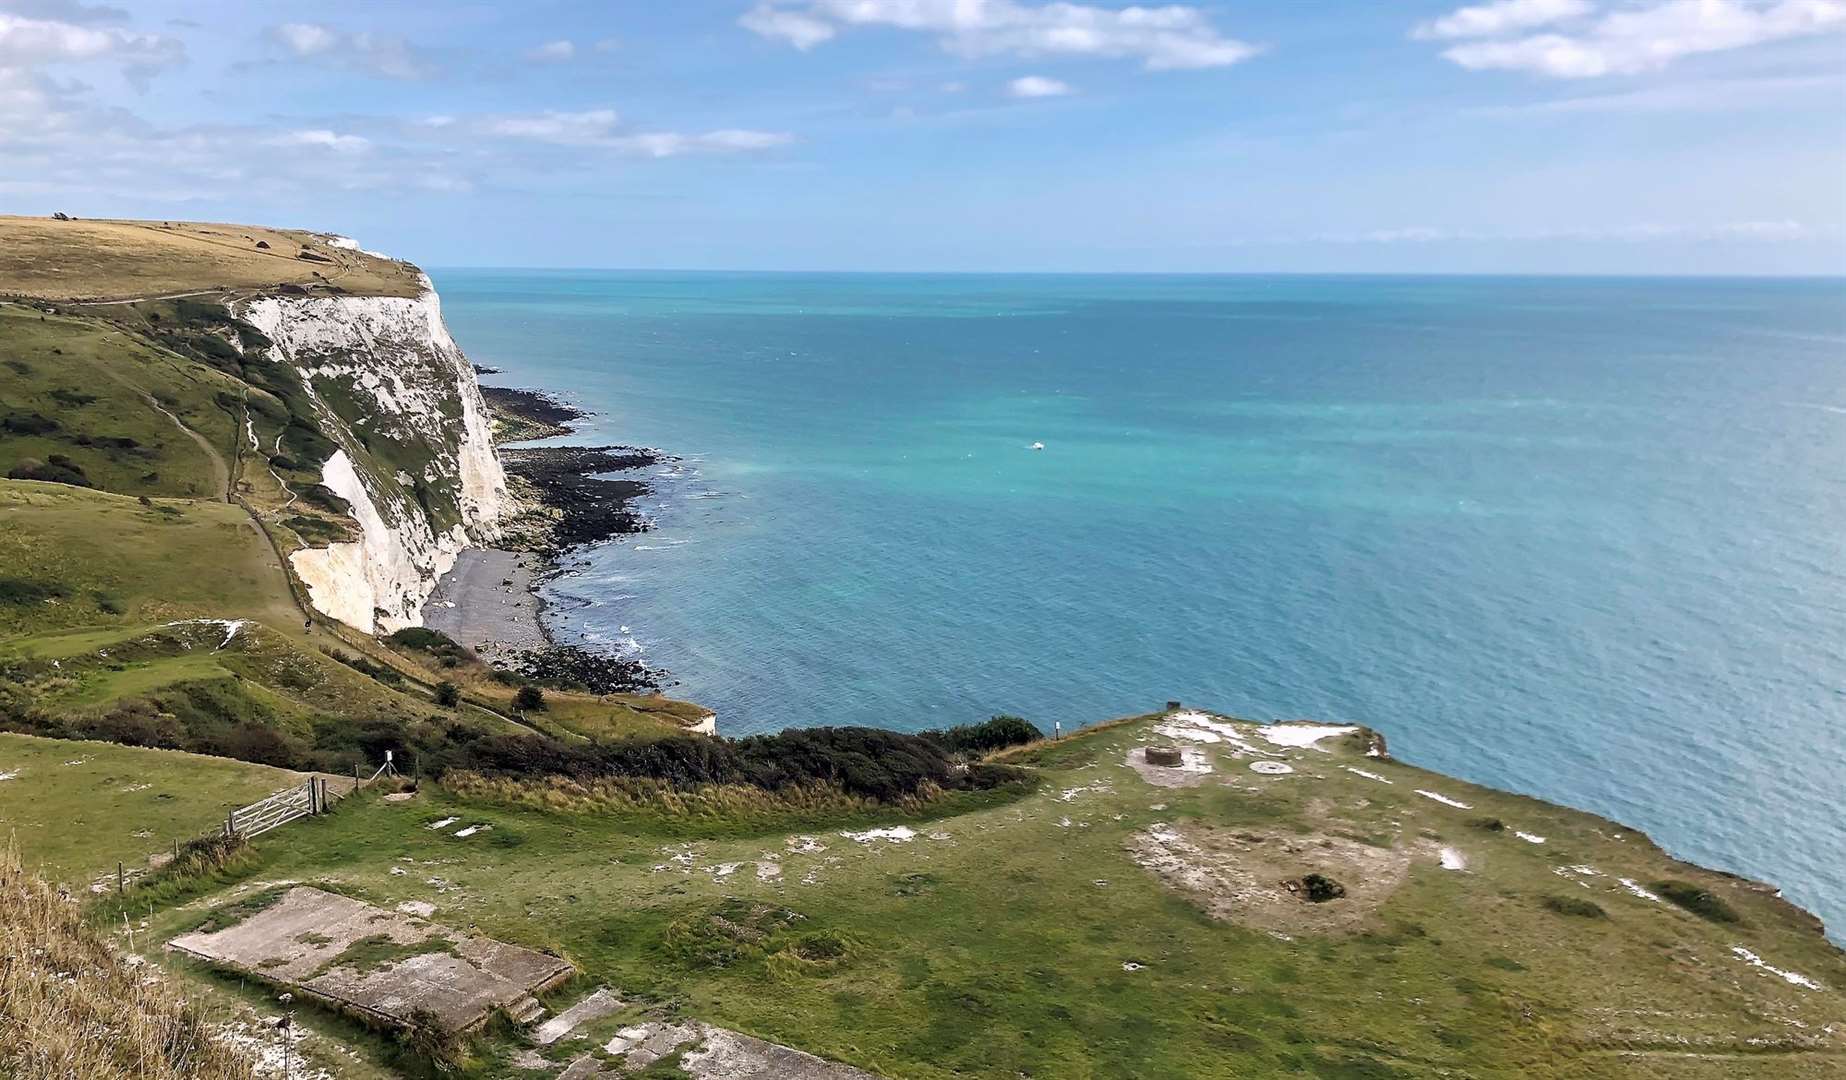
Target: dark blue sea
x,y
1579,538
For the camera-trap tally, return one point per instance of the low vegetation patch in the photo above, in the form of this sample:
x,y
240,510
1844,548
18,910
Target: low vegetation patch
x,y
1574,906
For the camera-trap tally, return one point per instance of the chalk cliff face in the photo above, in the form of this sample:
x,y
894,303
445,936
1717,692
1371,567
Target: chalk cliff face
x,y
416,456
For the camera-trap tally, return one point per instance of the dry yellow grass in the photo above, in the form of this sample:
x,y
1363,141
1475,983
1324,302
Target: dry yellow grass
x,y
70,1007
45,259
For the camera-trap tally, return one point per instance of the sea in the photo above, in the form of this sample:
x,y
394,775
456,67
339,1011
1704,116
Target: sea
x,y
1575,537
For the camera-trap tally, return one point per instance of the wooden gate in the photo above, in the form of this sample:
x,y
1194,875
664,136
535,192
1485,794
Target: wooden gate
x,y
279,809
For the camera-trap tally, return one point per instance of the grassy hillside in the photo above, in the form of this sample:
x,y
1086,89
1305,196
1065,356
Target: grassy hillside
x,y
113,260
124,414
74,810
73,558
1128,923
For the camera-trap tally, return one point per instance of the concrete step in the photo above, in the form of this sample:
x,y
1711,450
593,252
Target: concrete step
x,y
525,1010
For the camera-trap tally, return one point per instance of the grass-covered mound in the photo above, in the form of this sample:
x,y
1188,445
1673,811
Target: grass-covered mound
x,y
69,1007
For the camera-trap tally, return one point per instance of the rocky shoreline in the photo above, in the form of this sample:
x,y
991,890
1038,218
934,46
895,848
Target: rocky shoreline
x,y
524,415
491,600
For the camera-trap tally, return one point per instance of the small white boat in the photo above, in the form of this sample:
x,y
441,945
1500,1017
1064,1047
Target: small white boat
x,y
1038,446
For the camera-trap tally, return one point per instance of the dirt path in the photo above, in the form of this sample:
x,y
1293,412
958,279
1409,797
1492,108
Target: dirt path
x,y
144,299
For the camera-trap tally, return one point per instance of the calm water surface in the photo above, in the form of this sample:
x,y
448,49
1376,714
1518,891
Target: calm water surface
x,y
1579,538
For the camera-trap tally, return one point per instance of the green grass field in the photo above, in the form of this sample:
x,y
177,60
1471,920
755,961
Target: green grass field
x,y
1022,937
75,809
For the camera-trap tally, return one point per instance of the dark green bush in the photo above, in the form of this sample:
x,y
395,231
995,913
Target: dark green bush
x,y
996,734
23,591
1701,902
529,699
1319,888
28,424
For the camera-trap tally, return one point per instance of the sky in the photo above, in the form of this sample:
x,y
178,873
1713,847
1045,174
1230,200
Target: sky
x,y
1506,136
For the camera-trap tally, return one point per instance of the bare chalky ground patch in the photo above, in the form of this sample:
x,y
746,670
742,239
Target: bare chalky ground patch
x,y
706,1053
383,964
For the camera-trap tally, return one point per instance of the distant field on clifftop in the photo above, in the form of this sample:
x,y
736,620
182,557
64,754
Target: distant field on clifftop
x,y
116,260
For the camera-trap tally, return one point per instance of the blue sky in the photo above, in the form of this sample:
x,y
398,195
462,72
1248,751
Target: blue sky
x,y
1578,136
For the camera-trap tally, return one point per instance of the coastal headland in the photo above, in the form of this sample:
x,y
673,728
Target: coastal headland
x,y
247,471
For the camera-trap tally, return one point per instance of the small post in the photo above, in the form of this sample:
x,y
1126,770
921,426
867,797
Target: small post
x,y
176,849
230,825
120,879
355,778
1057,727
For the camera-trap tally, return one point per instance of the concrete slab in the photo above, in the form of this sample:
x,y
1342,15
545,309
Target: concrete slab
x,y
594,1007
384,965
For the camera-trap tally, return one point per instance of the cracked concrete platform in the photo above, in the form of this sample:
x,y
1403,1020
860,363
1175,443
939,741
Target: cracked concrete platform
x,y
457,979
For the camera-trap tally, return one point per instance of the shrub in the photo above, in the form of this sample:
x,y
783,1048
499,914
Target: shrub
x,y
448,695
1319,888
419,637
28,424
996,734
529,699
19,592
59,470
1701,902
1575,906
109,605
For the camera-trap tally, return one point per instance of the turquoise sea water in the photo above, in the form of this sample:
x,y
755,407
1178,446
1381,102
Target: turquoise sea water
x,y
1579,538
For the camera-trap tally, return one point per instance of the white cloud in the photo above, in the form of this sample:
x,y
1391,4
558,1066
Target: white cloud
x,y
1038,86
306,39
1705,95
1632,40
1162,38
552,52
1766,231
70,11
602,129
1502,17
322,139
29,43
386,57
802,31
556,127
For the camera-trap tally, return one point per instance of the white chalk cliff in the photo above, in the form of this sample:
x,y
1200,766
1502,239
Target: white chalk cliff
x,y
416,457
